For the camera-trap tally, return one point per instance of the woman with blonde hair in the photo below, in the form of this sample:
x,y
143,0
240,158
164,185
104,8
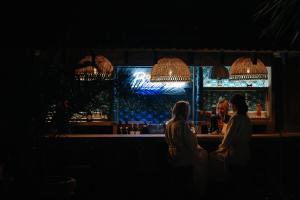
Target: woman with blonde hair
x,y
220,120
184,149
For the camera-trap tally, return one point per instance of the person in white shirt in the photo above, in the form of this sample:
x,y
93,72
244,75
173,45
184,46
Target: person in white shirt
x,y
235,145
237,134
183,146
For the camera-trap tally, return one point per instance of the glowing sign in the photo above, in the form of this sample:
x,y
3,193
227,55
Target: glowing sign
x,y
142,85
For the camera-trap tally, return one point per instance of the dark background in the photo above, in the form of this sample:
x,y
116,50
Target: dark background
x,y
50,26
144,24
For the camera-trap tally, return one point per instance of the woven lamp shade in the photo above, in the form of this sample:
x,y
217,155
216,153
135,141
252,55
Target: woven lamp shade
x,y
170,70
244,69
219,72
100,68
104,66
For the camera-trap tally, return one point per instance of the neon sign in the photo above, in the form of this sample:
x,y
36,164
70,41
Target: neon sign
x,y
142,85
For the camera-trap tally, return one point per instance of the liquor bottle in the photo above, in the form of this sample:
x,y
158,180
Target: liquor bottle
x,y
258,109
131,129
126,128
138,129
145,129
120,130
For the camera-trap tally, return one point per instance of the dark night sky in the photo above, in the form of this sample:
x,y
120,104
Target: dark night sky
x,y
150,24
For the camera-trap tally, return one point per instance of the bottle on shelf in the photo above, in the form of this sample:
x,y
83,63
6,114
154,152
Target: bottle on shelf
x,y
258,108
137,129
126,128
145,129
131,129
120,130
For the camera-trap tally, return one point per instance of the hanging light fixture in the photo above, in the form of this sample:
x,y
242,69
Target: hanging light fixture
x,y
170,70
219,71
245,68
94,68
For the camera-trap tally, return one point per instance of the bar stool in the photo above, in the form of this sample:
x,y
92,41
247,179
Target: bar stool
x,y
180,180
218,167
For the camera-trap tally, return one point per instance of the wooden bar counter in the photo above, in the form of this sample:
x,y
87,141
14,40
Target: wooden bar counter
x,y
141,136
141,161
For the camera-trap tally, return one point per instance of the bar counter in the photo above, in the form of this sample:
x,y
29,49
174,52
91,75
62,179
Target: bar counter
x,y
141,161
199,136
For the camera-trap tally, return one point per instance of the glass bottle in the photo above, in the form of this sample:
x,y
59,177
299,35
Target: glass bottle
x,y
258,109
120,128
131,129
137,129
144,128
126,128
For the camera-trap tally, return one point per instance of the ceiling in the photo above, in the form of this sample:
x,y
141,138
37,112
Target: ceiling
x,y
150,24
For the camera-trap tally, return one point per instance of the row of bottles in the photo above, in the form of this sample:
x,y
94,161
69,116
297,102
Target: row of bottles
x,y
137,128
132,128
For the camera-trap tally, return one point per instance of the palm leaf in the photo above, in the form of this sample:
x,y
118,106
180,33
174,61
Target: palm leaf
x,y
283,16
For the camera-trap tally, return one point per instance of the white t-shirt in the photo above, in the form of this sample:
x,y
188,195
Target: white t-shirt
x,y
236,139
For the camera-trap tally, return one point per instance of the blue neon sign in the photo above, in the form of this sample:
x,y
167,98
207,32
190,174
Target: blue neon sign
x,y
141,84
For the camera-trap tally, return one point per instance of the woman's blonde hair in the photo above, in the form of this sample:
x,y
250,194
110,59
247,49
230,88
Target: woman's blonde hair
x,y
226,104
181,110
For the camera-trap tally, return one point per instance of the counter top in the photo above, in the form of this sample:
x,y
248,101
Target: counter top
x,y
199,136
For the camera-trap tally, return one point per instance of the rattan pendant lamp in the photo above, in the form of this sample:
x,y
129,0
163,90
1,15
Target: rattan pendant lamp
x,y
92,68
245,68
219,71
170,70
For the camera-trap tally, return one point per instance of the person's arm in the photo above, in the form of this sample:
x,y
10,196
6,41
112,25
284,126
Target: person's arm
x,y
231,132
170,140
227,118
190,138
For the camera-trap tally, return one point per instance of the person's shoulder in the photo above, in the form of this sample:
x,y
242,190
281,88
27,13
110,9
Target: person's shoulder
x,y
236,118
181,124
177,122
169,122
240,117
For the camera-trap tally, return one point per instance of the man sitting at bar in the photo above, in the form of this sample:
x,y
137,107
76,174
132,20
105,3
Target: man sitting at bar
x,y
220,120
